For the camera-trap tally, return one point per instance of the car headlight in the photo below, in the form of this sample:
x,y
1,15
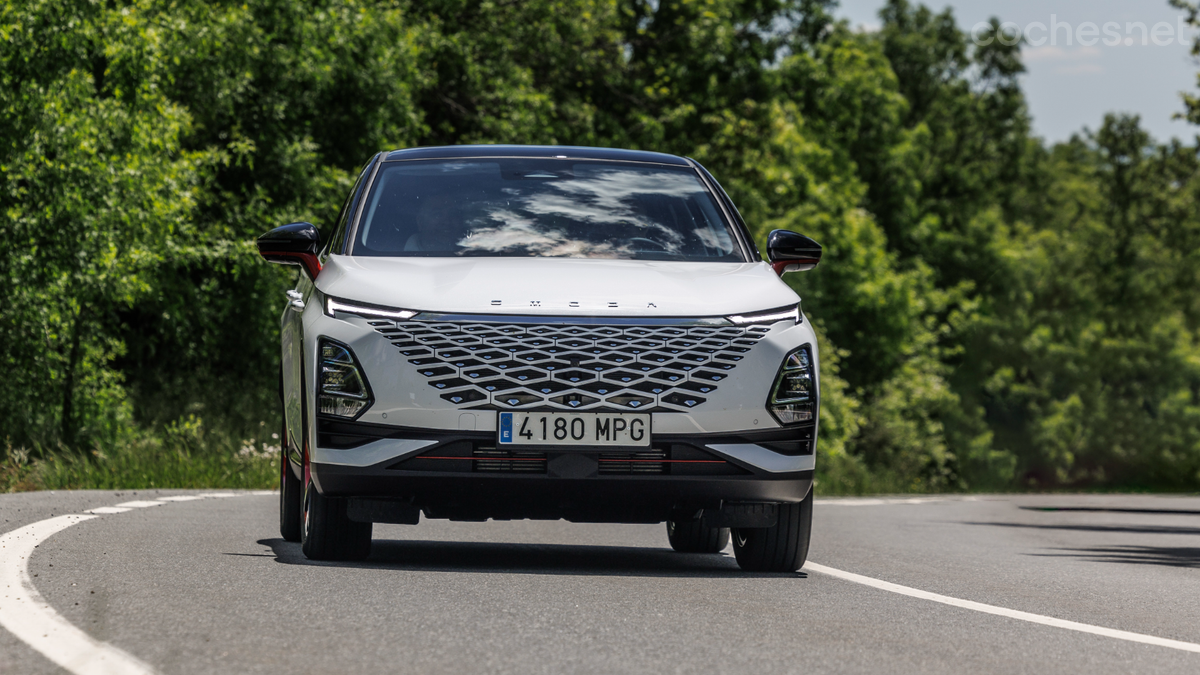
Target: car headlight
x,y
342,388
334,305
794,397
770,316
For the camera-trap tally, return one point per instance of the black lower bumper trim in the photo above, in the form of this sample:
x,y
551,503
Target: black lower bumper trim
x,y
613,499
382,511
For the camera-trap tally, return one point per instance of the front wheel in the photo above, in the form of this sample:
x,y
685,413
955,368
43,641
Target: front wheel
x,y
328,533
782,548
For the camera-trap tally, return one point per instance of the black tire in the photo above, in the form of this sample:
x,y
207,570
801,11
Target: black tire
x,y
291,500
782,548
328,534
691,536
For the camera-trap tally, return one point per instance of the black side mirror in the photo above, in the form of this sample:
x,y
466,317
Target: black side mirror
x,y
792,252
293,244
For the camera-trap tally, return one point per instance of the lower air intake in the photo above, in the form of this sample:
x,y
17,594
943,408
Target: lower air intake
x,y
630,463
490,460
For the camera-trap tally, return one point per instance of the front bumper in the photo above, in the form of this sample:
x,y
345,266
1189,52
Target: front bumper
x,y
461,476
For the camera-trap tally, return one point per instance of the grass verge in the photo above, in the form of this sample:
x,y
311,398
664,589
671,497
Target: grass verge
x,y
182,456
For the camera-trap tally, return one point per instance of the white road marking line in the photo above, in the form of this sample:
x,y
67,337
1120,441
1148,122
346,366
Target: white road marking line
x,y
1003,611
264,493
26,614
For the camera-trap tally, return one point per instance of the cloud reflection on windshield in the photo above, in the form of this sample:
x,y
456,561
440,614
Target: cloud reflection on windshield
x,y
608,198
516,231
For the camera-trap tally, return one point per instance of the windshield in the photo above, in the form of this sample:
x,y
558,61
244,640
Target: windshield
x,y
543,208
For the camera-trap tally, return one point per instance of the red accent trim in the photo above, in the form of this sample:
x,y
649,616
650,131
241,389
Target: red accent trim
x,y
782,265
505,459
669,461
304,460
307,261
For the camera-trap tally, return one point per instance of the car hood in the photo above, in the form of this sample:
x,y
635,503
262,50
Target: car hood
x,y
556,286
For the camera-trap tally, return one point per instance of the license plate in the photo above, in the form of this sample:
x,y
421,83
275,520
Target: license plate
x,y
583,429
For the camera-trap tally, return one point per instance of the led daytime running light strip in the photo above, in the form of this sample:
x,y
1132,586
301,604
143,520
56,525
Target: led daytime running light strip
x,y
332,306
769,316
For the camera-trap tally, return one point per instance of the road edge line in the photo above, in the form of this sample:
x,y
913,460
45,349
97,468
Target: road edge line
x,y
28,616
1003,611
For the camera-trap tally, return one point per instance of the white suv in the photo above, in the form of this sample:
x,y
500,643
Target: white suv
x,y
518,332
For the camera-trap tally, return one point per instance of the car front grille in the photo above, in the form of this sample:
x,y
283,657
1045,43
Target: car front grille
x,y
507,366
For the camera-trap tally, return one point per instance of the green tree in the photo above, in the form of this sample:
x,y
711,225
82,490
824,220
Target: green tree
x,y
94,182
1094,357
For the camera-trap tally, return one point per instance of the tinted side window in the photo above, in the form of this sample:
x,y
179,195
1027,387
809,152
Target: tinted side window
x,y
737,216
337,243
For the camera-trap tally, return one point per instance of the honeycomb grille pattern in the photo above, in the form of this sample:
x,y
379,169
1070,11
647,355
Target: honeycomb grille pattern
x,y
545,366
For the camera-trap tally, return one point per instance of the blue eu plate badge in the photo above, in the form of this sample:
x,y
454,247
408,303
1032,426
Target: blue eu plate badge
x,y
506,427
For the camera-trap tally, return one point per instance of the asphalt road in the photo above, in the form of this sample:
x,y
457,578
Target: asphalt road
x,y
207,586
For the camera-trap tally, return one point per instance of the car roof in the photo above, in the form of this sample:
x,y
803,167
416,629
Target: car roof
x,y
547,151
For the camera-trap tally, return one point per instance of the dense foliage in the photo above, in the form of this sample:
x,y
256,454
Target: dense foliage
x,y
995,313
